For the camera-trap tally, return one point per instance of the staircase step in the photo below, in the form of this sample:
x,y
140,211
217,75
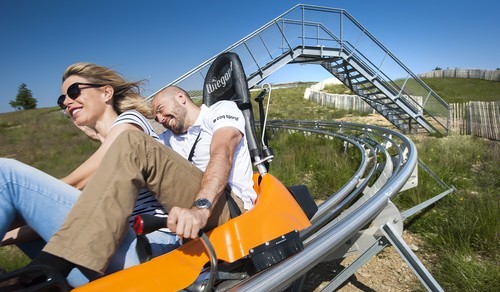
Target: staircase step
x,y
336,66
358,76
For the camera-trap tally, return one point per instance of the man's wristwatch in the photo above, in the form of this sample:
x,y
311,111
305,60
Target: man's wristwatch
x,y
202,203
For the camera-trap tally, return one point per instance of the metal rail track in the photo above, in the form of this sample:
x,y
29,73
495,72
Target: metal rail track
x,y
388,161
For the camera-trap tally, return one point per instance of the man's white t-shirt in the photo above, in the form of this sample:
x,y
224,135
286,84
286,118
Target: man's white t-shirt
x,y
219,115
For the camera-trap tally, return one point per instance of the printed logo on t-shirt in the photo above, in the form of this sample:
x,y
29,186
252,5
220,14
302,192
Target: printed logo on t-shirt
x,y
225,117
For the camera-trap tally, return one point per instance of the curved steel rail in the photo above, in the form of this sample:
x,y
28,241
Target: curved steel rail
x,y
331,228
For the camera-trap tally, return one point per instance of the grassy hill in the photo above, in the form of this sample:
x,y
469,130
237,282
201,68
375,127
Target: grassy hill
x,y
44,138
457,90
461,232
452,90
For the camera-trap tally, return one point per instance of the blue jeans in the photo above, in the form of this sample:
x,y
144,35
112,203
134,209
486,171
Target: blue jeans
x,y
43,202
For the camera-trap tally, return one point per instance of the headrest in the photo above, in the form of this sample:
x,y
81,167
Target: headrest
x,y
226,80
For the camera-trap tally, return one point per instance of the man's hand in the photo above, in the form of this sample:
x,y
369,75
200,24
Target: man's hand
x,y
187,223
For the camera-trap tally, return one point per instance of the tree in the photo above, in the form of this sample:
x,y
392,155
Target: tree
x,y
24,99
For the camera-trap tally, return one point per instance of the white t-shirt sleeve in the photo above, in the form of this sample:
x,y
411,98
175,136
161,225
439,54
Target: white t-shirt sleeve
x,y
225,114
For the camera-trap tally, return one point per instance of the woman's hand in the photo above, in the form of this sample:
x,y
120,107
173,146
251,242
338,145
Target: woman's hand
x,y
92,133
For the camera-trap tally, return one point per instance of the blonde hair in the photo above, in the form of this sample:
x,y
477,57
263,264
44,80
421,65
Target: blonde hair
x,y
126,93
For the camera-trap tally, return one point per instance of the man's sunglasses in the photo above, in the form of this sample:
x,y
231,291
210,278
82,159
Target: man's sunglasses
x,y
74,92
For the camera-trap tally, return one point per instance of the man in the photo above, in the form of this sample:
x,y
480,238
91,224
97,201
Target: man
x,y
212,138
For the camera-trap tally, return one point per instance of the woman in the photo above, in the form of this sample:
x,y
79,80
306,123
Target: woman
x,y
103,104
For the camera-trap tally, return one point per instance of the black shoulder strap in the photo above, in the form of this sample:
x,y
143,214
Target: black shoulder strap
x,y
191,153
234,210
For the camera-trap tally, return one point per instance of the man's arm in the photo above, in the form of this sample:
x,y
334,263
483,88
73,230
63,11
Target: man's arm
x,y
188,222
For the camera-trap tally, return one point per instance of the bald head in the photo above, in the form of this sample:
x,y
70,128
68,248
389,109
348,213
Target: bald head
x,y
174,109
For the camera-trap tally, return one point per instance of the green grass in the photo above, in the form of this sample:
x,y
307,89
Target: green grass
x,y
461,232
337,89
11,258
289,103
44,138
313,161
456,90
459,90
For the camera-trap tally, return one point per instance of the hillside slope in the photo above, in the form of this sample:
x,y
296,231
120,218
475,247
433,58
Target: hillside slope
x,y
460,234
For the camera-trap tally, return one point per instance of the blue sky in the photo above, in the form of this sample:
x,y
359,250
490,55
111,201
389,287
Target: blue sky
x,y
160,40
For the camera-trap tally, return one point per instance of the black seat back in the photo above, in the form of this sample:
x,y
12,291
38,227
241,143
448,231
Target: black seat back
x,y
226,80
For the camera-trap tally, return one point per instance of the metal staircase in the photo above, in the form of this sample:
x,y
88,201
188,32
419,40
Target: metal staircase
x,y
401,110
332,38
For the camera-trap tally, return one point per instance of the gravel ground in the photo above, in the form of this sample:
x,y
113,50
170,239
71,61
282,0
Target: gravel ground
x,y
387,271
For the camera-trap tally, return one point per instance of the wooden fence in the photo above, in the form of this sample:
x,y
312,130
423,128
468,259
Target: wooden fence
x,y
339,101
349,102
477,118
491,75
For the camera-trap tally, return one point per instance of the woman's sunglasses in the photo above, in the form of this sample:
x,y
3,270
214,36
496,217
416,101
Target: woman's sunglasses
x,y
74,92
